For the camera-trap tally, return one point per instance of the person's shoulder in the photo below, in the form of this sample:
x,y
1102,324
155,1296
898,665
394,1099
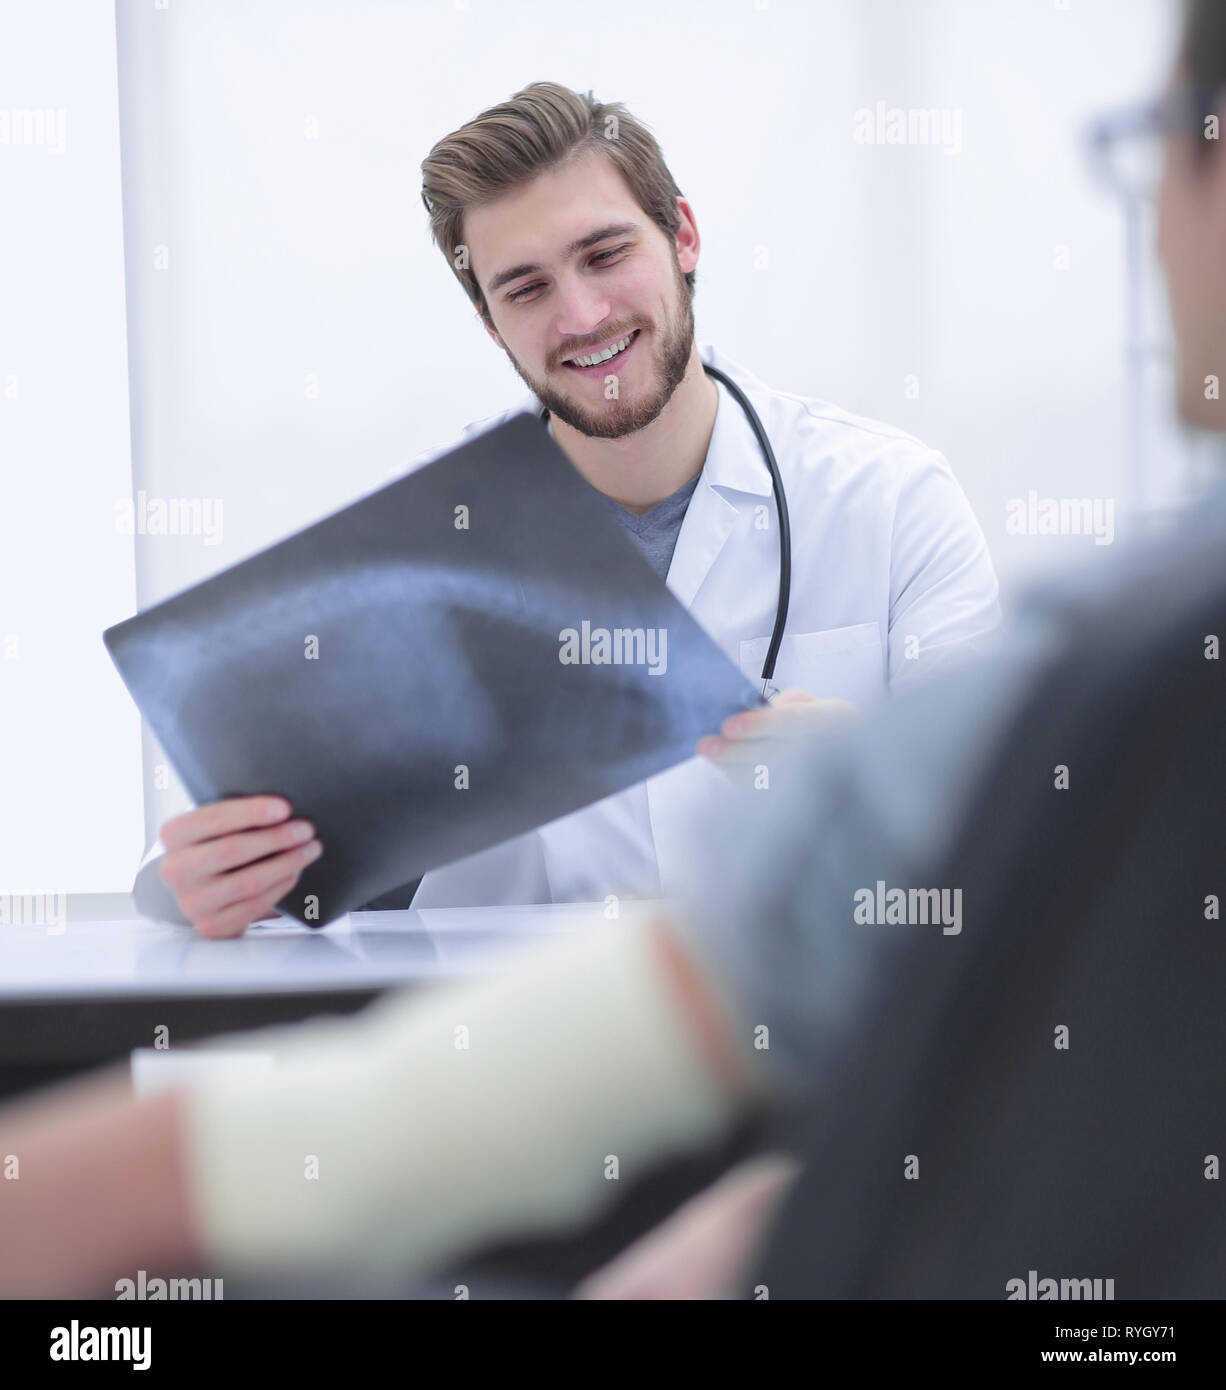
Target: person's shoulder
x,y
1163,565
826,439
869,445
863,429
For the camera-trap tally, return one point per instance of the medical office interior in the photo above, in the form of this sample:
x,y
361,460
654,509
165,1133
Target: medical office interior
x,y
220,287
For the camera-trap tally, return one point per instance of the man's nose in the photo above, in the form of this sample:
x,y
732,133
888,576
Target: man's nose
x,y
582,309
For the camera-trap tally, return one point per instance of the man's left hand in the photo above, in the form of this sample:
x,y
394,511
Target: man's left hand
x,y
744,737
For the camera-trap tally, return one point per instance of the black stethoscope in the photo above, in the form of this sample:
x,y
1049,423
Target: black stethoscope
x,y
785,529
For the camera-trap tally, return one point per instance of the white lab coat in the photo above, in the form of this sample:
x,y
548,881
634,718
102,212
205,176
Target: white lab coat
x,y
890,571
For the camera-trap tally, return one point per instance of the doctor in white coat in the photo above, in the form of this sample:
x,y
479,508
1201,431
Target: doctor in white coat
x,y
890,572
575,247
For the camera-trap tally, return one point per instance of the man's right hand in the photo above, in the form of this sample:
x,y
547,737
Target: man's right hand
x,y
228,863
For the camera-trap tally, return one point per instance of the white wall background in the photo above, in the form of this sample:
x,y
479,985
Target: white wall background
x,y
296,338
71,813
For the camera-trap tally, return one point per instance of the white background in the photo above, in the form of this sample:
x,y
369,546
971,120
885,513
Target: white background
x,y
288,257
70,773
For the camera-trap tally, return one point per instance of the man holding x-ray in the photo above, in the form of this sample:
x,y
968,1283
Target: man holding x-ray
x,y
616,1034
828,555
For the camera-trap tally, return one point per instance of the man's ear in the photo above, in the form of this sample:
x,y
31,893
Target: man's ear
x,y
686,239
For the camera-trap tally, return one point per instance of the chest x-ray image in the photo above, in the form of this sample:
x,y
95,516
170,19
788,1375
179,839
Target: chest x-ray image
x,y
470,652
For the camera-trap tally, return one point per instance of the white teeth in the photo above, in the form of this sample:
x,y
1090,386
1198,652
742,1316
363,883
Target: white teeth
x,y
597,358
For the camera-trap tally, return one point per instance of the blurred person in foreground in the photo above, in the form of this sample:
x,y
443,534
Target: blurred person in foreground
x,y
1022,1087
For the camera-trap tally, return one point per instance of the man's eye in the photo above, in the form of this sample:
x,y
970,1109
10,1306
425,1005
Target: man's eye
x,y
527,289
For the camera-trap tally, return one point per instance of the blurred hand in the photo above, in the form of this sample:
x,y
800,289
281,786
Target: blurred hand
x,y
701,1250
745,738
229,862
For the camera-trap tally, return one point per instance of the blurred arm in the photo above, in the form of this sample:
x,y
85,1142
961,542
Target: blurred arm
x,y
771,889
432,1125
98,1190
423,1128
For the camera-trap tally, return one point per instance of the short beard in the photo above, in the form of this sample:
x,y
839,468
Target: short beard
x,y
628,417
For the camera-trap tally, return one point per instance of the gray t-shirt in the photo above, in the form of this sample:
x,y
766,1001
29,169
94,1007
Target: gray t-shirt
x,y
655,532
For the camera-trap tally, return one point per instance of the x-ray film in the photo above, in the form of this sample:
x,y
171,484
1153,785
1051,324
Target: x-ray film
x,y
462,656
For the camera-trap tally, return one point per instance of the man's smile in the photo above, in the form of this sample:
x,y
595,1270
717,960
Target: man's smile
x,y
594,361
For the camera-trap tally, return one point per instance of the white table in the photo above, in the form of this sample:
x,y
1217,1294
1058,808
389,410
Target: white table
x,y
93,990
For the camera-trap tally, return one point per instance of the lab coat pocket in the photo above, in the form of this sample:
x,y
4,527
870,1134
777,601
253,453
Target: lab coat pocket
x,y
844,663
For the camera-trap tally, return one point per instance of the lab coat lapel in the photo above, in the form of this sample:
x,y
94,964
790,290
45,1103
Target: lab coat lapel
x,y
734,477
732,466
674,796
708,523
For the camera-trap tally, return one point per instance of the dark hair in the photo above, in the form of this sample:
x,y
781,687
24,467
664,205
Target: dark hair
x,y
1203,51
1202,57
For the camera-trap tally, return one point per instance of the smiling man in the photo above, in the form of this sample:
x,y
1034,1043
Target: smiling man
x,y
572,241
643,1042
